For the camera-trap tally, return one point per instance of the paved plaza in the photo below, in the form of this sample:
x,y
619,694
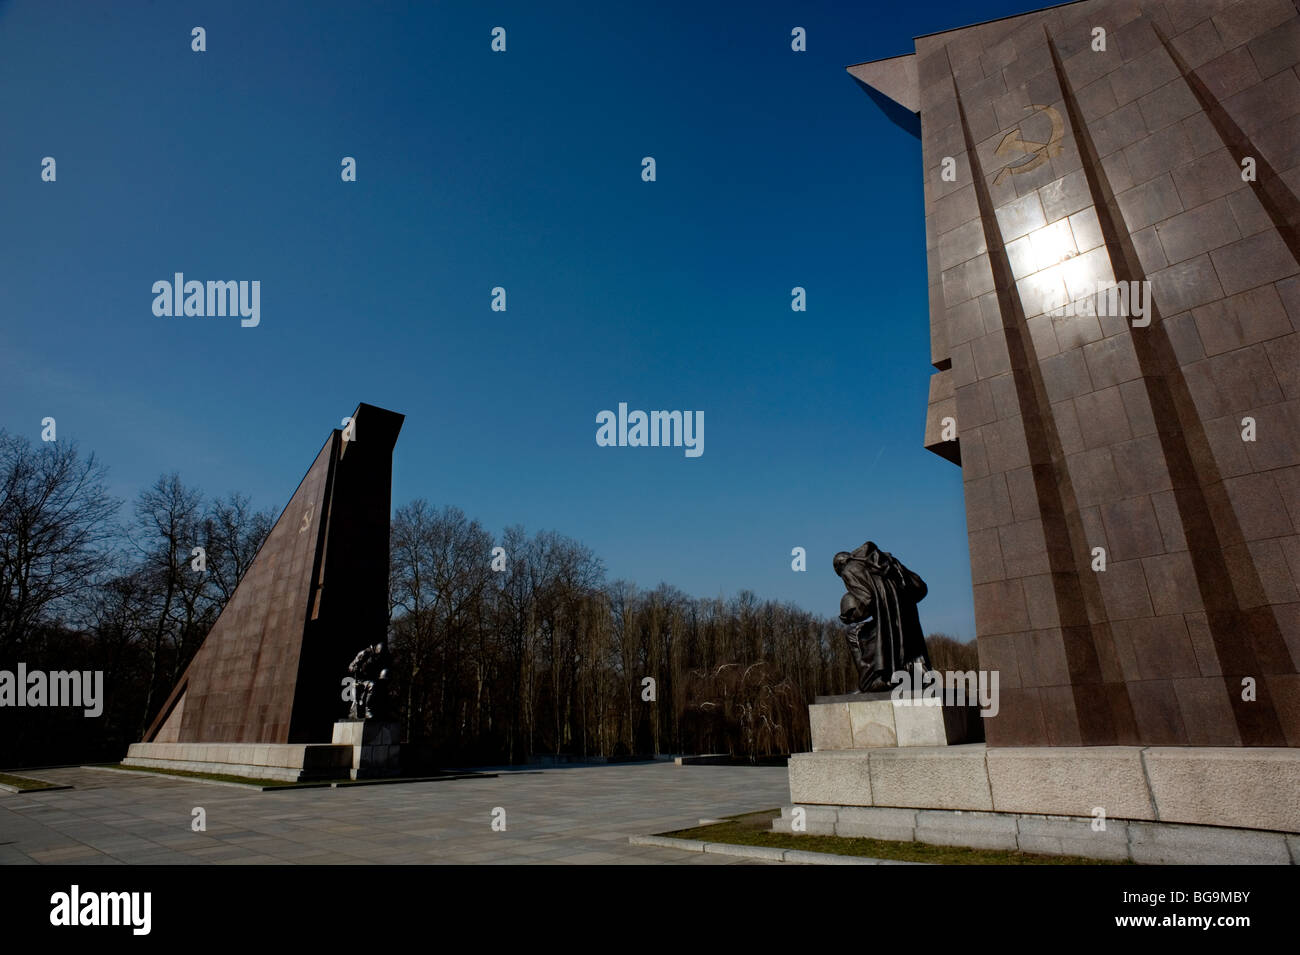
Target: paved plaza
x,y
572,815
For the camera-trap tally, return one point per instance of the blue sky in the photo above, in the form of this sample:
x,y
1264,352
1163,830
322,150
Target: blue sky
x,y
478,169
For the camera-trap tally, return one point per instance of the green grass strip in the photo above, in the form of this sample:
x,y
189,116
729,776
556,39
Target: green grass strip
x,y
755,829
26,784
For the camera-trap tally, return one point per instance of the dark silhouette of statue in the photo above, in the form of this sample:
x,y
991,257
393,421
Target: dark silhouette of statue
x,y
369,669
880,611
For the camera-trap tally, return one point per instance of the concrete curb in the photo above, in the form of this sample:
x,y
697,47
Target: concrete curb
x,y
768,853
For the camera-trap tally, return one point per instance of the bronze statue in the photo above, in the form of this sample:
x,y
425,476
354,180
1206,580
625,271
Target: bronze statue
x,y
369,669
880,611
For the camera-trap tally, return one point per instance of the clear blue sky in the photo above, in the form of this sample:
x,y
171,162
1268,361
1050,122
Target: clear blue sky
x,y
478,169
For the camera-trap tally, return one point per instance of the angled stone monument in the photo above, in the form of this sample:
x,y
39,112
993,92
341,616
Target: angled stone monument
x,y
263,692
1113,243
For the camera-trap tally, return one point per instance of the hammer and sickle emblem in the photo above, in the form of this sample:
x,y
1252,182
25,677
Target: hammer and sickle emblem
x,y
1013,143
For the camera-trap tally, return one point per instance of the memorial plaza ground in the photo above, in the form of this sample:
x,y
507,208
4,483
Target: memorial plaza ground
x,y
581,814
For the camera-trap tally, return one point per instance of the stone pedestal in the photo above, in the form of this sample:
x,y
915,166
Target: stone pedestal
x,y
376,749
870,720
1160,804
285,762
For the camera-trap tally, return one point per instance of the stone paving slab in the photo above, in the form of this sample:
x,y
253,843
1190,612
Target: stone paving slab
x,y
576,815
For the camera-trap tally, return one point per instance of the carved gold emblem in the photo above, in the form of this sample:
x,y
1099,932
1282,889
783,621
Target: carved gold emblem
x,y
1014,143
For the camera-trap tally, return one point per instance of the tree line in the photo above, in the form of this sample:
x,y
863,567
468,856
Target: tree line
x,y
542,655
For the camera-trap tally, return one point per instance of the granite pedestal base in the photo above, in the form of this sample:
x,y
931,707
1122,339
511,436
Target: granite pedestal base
x,y
1234,787
1146,843
871,720
375,746
286,762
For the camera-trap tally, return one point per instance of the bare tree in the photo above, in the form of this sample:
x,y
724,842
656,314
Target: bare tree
x,y
55,520
438,579
167,527
948,653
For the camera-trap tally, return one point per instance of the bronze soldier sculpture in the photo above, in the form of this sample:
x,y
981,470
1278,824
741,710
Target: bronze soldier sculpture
x,y
369,668
880,611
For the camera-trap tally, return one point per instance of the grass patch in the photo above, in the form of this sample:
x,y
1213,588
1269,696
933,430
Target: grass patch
x,y
26,784
755,829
